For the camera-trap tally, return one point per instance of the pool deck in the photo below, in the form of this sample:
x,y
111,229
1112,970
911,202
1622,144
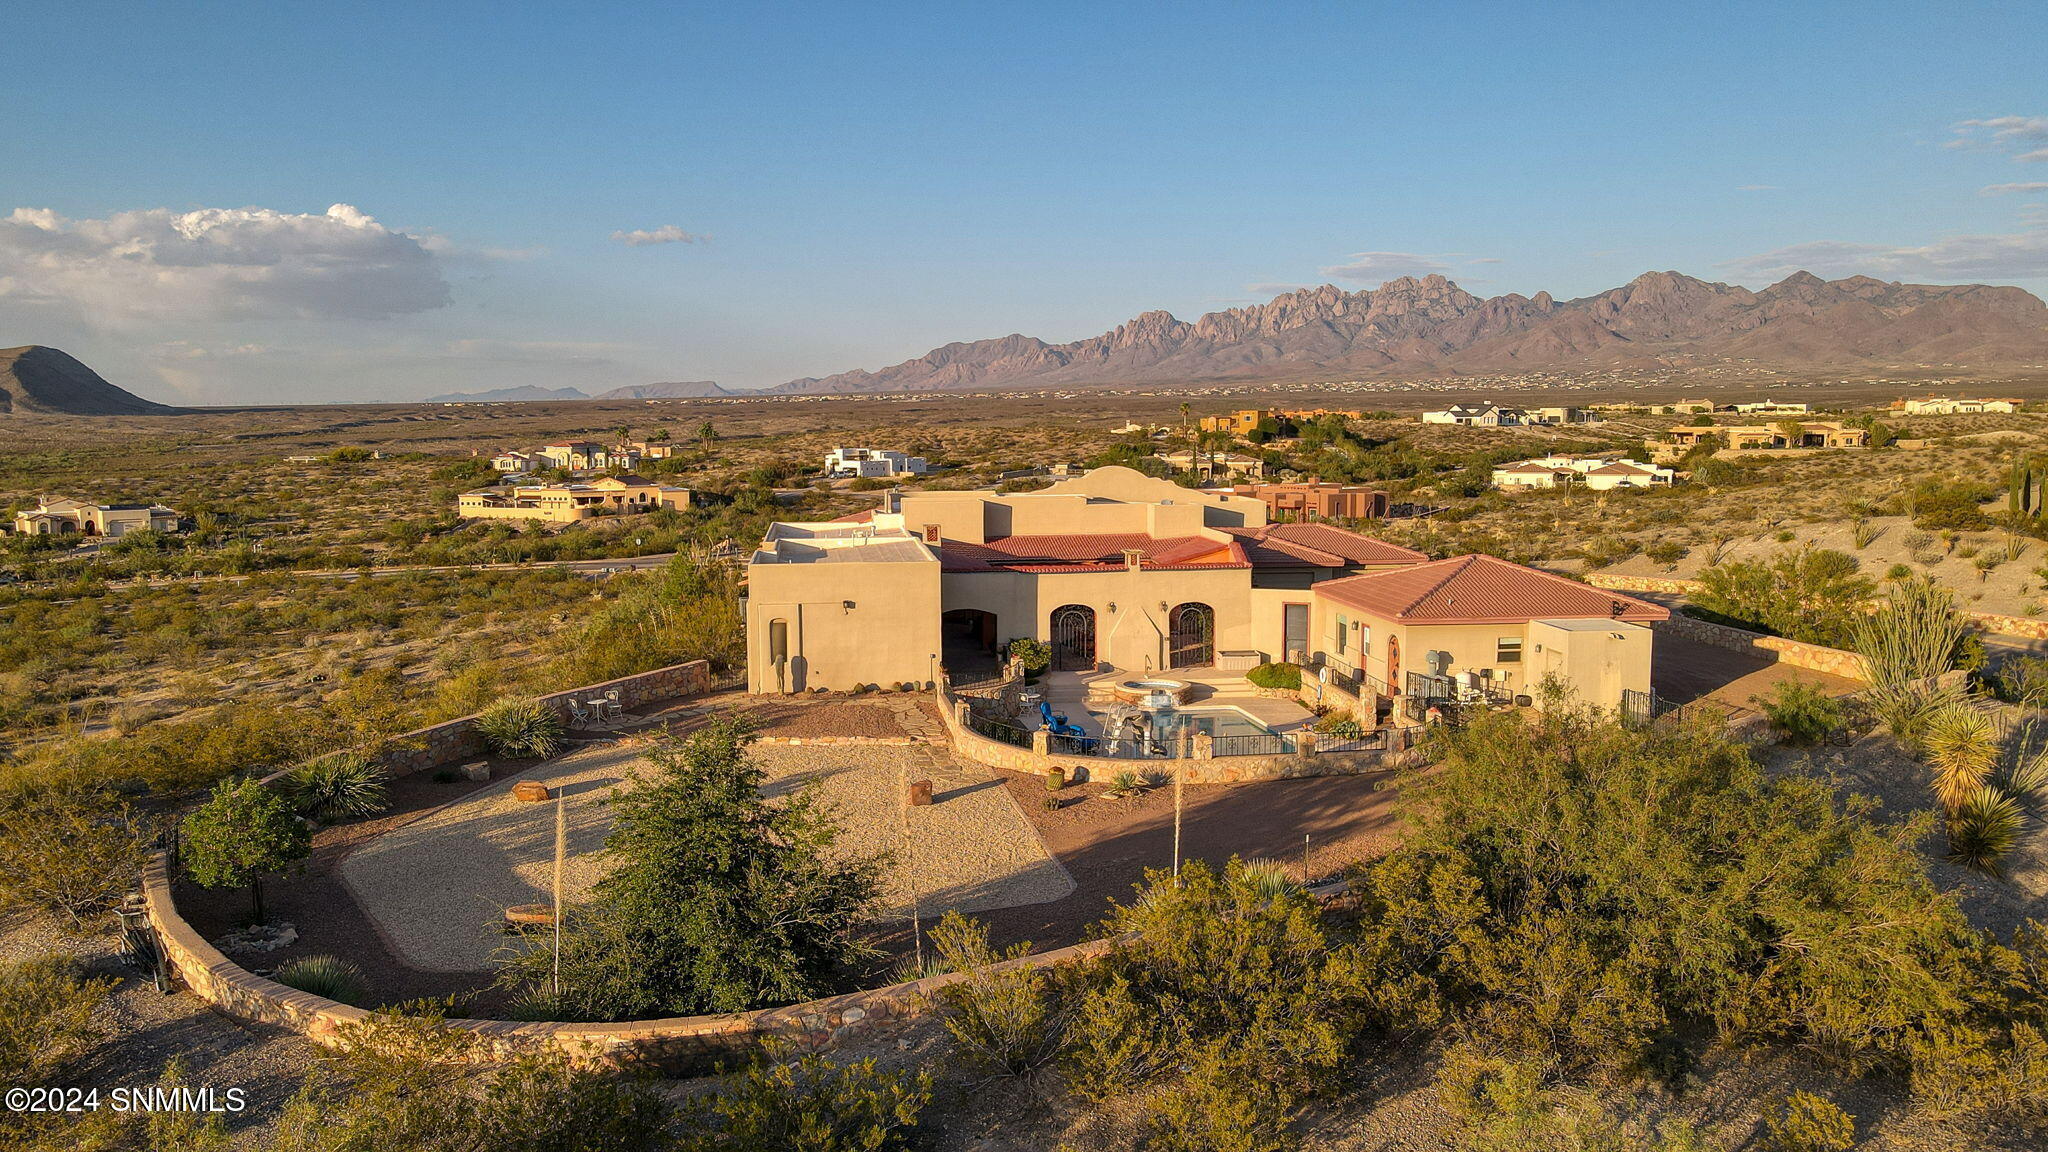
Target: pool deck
x,y
1068,692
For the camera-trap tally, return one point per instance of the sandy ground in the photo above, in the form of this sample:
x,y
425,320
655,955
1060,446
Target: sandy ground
x,y
437,887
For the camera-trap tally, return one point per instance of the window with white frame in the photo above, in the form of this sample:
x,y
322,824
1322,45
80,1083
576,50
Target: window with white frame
x,y
1507,650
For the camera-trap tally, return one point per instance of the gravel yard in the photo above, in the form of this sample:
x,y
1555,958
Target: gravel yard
x,y
437,886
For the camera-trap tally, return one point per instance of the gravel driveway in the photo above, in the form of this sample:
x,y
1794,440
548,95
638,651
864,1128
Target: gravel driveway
x,y
436,887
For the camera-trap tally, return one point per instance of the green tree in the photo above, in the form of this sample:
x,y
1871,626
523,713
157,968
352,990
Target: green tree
x,y
67,853
718,899
241,832
1813,595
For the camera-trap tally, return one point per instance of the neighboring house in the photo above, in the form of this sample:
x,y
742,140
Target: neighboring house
x,y
564,503
1478,416
650,450
1589,472
1247,420
1556,416
1209,466
1952,406
1770,408
58,517
576,455
1477,627
1318,500
873,462
1790,434
519,461
1114,569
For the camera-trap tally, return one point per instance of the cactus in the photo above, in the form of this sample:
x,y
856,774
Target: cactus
x,y
2023,497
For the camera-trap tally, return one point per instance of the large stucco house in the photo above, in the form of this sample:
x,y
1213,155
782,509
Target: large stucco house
x,y
1117,570
564,503
57,517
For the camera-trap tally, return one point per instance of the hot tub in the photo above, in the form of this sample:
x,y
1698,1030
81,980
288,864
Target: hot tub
x,y
1150,692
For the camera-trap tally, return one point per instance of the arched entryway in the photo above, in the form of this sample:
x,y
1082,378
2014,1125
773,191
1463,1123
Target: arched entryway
x,y
1191,636
970,644
1073,638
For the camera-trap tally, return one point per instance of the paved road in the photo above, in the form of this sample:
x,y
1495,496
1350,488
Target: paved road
x,y
584,567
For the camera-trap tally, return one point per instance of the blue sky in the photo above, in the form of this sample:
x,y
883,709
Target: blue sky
x,y
846,185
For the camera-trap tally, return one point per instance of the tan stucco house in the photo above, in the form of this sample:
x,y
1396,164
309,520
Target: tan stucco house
x,y
1481,628
563,503
1112,570
1746,437
57,517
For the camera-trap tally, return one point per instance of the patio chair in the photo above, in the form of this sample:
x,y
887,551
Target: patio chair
x,y
579,716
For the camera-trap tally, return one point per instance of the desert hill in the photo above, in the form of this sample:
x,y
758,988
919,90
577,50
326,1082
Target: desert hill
x,y
1431,325
35,379
671,390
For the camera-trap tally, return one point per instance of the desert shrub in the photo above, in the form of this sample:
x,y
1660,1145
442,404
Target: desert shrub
x,y
1950,507
690,612
337,786
1666,551
1802,712
240,833
68,854
1219,973
1275,676
46,1007
1811,595
522,728
1340,724
1010,1020
171,757
1032,654
324,975
1803,1122
719,899
811,1105
405,1082
1531,910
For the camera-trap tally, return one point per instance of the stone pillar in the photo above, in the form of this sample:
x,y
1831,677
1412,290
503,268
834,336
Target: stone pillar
x,y
1041,742
1204,747
960,713
1305,741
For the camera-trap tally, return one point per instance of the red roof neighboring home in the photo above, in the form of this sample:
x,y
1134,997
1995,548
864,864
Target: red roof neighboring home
x,y
1063,553
1323,545
1479,589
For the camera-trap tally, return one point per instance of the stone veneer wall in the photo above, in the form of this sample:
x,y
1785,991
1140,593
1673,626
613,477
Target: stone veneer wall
x,y
677,1044
1192,770
2030,627
1833,661
423,749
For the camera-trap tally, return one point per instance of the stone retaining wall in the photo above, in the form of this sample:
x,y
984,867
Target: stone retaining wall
x,y
1833,661
1196,769
678,1044
428,748
843,741
2029,627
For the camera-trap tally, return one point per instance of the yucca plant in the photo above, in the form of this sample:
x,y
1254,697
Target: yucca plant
x,y
1983,829
1962,747
337,786
1904,646
324,975
523,729
1269,880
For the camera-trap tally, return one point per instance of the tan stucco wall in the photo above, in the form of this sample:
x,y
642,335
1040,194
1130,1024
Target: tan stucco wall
x,y
1134,636
891,634
1597,665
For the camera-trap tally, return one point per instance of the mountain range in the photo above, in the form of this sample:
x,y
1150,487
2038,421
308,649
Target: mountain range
x,y
1430,325
671,390
35,379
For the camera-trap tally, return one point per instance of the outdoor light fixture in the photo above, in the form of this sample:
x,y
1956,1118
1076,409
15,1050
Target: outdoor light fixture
x,y
1112,606
846,604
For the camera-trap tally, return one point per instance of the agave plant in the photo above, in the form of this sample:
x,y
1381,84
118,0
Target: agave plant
x,y
1962,747
1984,829
324,975
1268,880
337,786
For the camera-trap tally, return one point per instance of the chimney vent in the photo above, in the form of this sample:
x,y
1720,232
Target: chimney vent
x,y
1132,558
931,533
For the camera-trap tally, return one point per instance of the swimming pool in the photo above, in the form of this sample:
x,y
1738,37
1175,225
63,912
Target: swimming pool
x,y
1223,720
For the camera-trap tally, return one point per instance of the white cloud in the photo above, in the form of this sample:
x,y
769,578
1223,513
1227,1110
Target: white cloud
x,y
1987,257
1275,289
1756,187
218,264
2015,134
1378,267
1484,260
666,234
2003,189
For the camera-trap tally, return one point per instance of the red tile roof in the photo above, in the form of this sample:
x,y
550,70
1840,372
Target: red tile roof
x,y
1323,545
1482,590
864,516
1065,553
